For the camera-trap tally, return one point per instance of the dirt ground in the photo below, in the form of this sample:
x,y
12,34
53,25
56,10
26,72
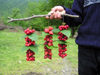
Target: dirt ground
x,y
65,69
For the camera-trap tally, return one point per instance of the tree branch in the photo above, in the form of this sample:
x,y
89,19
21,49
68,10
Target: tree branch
x,y
37,16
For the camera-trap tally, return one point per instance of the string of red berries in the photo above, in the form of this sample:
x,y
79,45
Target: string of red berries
x,y
48,43
29,42
29,54
62,38
29,32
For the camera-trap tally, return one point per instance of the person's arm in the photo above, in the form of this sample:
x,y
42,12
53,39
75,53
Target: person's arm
x,y
77,9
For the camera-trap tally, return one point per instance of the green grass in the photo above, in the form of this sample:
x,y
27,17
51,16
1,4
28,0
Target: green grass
x,y
13,60
72,53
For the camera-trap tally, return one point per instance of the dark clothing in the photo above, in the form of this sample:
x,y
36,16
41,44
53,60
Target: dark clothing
x,y
89,60
89,12
88,34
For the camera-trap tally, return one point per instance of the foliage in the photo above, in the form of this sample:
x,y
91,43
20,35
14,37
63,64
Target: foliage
x,y
33,37
8,5
66,32
33,48
67,3
34,7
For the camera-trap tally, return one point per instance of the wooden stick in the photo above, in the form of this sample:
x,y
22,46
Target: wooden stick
x,y
37,16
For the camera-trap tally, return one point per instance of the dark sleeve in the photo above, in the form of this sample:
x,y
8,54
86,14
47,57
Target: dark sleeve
x,y
77,9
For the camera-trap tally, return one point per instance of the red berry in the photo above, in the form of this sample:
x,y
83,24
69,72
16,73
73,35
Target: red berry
x,y
46,53
33,30
28,31
50,32
50,28
51,41
46,30
50,44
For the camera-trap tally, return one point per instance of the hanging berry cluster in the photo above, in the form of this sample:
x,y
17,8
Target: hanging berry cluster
x,y
31,47
28,31
29,42
62,46
48,43
29,54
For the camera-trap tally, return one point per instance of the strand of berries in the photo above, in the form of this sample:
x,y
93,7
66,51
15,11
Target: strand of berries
x,y
62,38
29,54
48,43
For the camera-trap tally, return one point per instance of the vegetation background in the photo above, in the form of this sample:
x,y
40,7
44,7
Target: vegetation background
x,y
26,8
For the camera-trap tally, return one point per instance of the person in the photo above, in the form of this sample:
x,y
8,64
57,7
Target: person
x,y
88,38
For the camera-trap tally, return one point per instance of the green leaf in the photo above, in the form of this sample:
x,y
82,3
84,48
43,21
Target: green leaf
x,y
33,37
49,47
44,34
56,30
61,42
33,48
66,32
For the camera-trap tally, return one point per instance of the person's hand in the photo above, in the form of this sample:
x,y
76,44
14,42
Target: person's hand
x,y
56,12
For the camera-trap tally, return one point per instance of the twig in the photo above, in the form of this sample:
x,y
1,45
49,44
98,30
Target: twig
x,y
37,16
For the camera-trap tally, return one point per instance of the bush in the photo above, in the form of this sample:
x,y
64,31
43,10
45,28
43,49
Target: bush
x,y
43,7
